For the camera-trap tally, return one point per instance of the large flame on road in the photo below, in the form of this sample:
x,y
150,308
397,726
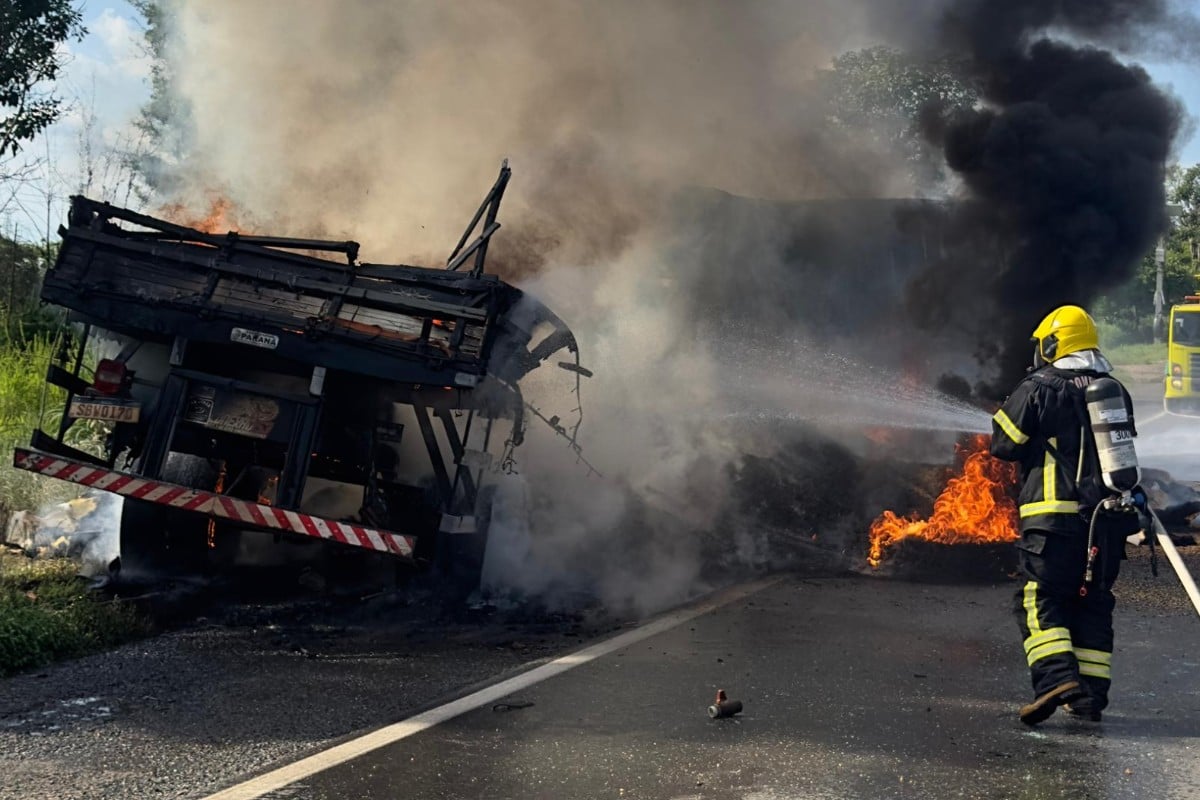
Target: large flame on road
x,y
975,507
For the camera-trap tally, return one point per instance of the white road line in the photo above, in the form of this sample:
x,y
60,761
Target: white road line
x,y
1159,415
277,779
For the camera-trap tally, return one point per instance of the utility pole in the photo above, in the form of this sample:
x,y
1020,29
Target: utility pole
x,y
1160,257
1160,260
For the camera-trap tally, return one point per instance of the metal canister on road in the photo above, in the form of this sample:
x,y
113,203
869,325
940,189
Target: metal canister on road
x,y
724,707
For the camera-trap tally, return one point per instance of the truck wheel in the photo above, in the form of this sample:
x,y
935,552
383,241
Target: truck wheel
x,y
162,543
159,544
459,561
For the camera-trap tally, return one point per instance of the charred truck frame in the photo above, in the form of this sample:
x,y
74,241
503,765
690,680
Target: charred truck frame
x,y
253,386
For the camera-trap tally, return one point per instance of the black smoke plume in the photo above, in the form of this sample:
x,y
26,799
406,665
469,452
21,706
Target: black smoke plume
x,y
680,197
1063,164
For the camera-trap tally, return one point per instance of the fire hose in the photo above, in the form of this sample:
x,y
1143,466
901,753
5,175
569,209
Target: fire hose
x,y
1181,570
1150,521
1107,415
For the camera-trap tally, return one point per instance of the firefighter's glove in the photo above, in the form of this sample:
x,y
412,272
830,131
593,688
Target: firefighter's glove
x,y
1142,504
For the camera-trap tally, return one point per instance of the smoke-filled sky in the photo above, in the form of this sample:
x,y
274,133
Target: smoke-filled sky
x,y
385,121
381,118
376,120
108,73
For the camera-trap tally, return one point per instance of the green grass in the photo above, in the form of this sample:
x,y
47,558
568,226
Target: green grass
x,y
28,402
1125,348
47,613
1126,355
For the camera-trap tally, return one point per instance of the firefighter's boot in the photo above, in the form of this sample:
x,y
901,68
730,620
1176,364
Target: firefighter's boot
x,y
1041,708
1084,708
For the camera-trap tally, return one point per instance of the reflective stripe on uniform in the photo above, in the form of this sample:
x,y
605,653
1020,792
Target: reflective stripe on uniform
x,y
1029,601
1048,649
1049,475
1094,663
1095,671
1048,635
1041,643
1010,428
1043,507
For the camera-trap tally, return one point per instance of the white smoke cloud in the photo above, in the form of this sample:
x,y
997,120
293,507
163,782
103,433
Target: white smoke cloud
x,y
384,122
383,119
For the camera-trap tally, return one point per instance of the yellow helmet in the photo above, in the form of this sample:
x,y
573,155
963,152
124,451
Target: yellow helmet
x,y
1065,330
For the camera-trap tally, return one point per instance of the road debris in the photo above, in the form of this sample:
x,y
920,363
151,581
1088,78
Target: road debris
x,y
723,707
515,705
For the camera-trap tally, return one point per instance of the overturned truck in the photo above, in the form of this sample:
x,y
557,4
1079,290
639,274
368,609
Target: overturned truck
x,y
253,385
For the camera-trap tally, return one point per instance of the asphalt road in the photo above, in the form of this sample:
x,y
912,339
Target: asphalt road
x,y
244,688
853,688
1165,441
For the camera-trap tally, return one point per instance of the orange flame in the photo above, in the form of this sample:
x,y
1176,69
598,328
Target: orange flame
x,y
220,217
975,507
266,495
212,522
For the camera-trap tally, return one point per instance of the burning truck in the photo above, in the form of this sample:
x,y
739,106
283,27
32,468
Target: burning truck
x,y
260,395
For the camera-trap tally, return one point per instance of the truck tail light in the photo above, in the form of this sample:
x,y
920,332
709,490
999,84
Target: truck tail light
x,y
110,376
1177,370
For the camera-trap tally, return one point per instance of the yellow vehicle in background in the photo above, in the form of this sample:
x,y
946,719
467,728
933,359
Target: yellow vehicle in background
x,y
1182,394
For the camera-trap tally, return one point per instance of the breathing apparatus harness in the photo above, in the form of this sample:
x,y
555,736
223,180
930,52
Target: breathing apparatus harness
x,y
1105,415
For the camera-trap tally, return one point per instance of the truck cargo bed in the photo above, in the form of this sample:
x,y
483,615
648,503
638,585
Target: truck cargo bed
x,y
160,280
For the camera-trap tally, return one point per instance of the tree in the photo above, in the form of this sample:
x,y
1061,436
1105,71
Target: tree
x,y
163,121
1131,307
886,95
31,32
22,266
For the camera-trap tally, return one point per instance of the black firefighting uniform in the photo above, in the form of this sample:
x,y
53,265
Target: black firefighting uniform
x,y
1067,636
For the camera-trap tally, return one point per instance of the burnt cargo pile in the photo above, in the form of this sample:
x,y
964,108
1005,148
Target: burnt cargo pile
x,y
254,385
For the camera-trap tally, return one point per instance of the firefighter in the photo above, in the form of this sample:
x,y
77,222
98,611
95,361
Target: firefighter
x,y
1065,623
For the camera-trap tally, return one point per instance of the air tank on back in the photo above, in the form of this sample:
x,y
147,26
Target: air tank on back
x,y
1112,429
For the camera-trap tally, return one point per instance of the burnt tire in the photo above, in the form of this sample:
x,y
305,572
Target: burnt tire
x,y
158,543
460,556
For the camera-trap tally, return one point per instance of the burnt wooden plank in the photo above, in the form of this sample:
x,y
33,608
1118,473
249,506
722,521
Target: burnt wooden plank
x,y
237,293
142,273
230,241
72,262
402,323
191,258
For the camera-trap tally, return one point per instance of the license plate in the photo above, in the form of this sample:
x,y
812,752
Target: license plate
x,y
109,412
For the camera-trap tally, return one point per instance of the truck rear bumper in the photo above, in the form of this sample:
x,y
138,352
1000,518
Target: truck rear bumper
x,y
242,512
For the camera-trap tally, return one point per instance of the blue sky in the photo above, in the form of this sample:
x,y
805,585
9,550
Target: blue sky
x,y
110,59
107,80
1184,82
113,56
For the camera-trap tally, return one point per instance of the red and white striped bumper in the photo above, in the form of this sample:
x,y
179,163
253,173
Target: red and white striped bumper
x,y
251,514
